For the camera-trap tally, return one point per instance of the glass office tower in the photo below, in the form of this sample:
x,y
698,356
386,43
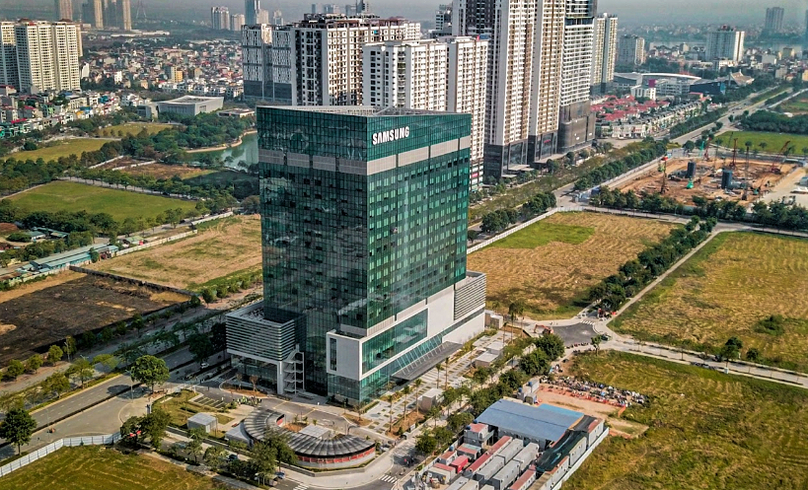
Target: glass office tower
x,y
364,224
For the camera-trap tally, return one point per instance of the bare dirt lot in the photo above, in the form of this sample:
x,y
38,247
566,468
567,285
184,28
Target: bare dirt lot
x,y
619,426
47,311
226,246
707,181
132,166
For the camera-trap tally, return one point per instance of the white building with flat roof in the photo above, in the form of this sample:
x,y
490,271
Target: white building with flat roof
x,y
406,74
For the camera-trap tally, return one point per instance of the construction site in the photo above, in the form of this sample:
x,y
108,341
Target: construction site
x,y
732,175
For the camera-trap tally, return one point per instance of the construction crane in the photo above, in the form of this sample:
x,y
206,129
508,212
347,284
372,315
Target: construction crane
x,y
705,145
734,153
783,151
664,165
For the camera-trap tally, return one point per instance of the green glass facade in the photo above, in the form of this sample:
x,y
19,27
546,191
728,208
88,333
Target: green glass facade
x,y
350,242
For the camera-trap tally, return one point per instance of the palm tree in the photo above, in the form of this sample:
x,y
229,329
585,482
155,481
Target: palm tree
x,y
407,390
417,384
516,309
437,381
763,145
389,399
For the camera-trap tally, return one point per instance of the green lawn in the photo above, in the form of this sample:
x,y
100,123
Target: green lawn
x,y
797,105
62,148
707,430
544,232
103,468
774,141
134,128
70,196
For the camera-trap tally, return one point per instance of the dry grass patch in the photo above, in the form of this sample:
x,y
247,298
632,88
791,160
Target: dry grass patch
x,y
725,290
552,277
162,171
227,246
707,430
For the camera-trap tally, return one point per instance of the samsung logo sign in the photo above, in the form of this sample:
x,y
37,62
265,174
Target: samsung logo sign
x,y
391,135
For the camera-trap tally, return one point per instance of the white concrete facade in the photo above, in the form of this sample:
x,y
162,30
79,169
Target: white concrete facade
x,y
40,56
344,353
406,74
466,93
546,89
328,57
604,49
631,50
725,43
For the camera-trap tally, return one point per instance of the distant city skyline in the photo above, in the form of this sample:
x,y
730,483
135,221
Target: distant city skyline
x,y
630,11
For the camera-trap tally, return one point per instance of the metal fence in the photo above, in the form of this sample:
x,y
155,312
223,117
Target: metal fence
x,y
55,446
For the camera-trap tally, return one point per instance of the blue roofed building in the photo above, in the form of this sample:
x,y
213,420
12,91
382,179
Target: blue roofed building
x,y
544,424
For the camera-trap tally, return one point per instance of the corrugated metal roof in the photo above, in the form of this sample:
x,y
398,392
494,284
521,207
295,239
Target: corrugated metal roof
x,y
545,422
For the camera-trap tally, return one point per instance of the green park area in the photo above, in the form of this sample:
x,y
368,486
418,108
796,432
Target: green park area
x,y
751,286
772,142
707,430
550,265
103,468
61,148
796,105
132,128
72,197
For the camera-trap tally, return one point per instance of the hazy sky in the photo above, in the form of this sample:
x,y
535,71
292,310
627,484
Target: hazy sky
x,y
631,11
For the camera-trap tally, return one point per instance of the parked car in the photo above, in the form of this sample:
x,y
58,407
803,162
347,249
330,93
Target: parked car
x,y
281,475
203,365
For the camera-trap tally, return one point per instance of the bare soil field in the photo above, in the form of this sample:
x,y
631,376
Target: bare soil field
x,y
610,413
707,181
45,312
227,246
553,277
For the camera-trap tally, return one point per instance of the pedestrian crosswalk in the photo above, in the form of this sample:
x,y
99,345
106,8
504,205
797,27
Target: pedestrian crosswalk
x,y
389,478
301,487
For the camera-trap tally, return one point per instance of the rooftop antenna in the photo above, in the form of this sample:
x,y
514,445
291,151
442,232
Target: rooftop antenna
x,y
141,10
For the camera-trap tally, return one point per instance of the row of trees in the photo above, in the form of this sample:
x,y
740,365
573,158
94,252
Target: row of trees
x,y
546,349
775,123
693,123
43,248
651,149
498,220
761,82
611,293
776,214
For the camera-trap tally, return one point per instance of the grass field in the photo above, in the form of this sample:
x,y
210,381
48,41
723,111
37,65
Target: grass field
x,y
225,247
726,289
797,105
133,128
102,468
774,141
707,430
552,264
70,196
62,148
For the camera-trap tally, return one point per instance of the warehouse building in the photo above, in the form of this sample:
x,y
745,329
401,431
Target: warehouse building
x,y
190,105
